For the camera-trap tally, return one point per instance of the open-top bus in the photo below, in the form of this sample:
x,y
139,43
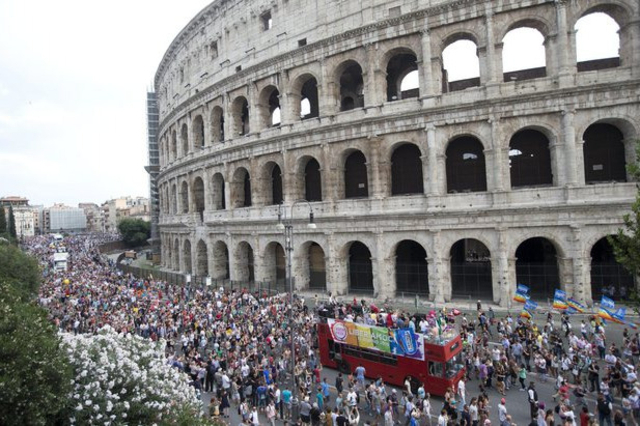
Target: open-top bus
x,y
395,355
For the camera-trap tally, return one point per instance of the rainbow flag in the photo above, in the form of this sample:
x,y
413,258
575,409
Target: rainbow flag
x,y
575,306
560,300
528,309
526,314
617,316
522,294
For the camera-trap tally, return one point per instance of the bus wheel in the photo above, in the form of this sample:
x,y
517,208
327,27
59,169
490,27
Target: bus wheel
x,y
344,367
415,384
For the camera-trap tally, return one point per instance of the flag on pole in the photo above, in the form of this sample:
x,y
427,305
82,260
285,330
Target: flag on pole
x,y
522,293
607,303
528,309
575,306
560,300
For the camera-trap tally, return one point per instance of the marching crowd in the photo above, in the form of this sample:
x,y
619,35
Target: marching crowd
x,y
235,346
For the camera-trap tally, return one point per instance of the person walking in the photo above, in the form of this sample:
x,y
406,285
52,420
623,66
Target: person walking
x,y
603,408
502,413
533,400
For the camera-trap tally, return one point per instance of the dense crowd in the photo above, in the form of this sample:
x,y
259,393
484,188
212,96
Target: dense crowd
x,y
236,346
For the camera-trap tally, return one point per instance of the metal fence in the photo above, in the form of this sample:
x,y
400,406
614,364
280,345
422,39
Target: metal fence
x,y
261,287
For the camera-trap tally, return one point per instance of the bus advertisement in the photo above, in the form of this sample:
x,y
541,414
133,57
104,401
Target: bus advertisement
x,y
395,355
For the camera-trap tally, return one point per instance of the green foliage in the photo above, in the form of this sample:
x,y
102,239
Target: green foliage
x,y
35,376
626,242
12,224
135,232
19,270
3,221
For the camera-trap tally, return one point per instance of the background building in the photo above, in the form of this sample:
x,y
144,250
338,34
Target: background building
x,y
154,166
421,181
63,218
113,211
94,215
25,216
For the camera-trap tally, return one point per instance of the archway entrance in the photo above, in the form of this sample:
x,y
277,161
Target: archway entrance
x,y
471,270
359,267
220,261
412,273
202,259
608,277
317,268
186,255
537,267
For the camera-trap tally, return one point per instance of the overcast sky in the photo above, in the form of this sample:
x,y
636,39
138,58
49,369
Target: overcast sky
x,y
73,80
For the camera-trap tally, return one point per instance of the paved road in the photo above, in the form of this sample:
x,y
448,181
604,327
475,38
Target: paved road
x,y
516,401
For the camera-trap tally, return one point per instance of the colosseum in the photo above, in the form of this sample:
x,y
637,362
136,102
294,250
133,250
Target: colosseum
x,y
418,181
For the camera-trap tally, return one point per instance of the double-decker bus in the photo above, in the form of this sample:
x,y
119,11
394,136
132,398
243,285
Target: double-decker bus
x,y
395,355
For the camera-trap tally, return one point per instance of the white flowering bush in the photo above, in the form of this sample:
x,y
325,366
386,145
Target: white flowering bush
x,y
125,379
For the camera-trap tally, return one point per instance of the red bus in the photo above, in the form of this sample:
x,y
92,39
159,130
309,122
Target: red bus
x,y
438,366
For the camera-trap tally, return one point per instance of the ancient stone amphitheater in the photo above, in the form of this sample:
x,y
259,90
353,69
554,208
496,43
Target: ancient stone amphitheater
x,y
419,182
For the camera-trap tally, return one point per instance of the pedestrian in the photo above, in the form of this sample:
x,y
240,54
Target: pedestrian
x,y
533,400
502,412
603,409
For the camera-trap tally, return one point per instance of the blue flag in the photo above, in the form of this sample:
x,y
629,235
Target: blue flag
x,y
607,303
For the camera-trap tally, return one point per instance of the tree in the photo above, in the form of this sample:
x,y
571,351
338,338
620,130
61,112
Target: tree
x,y
19,270
12,223
626,242
3,221
135,232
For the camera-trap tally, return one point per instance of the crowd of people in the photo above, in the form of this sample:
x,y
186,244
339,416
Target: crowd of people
x,y
235,346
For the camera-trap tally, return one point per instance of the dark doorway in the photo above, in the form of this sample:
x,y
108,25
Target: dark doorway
x,y
355,176
351,88
406,171
360,271
471,270
608,277
465,166
276,185
317,269
412,272
537,268
312,181
529,159
604,159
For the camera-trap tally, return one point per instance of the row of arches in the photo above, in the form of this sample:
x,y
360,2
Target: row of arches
x,y
460,70
529,161
470,266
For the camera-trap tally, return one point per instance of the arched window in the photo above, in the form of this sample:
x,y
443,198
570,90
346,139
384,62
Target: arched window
x,y
274,264
406,170
202,259
412,272
198,132
537,267
269,107
244,263
184,135
399,68
240,113
186,257
523,54
241,189
246,183
304,97
465,165
217,125
461,66
317,267
360,269
175,261
529,159
608,277
174,146
356,183
198,197
604,157
351,87
597,42
174,200
471,270
218,192
275,179
220,261
184,193
312,181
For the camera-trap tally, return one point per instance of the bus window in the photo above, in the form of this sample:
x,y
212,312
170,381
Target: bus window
x,y
435,369
332,349
453,366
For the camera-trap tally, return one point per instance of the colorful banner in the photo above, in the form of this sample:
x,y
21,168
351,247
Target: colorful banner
x,y
560,300
401,342
528,309
575,306
522,293
607,303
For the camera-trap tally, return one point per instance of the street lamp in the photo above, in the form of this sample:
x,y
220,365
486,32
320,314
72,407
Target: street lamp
x,y
285,223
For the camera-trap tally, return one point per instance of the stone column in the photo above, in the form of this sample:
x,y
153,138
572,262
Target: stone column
x,y
336,268
229,125
374,166
426,80
289,177
383,270
430,167
565,76
374,78
630,45
255,125
500,178
503,285
569,136
327,174
326,92
436,266
491,74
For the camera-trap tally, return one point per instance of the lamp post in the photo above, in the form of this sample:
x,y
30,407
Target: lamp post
x,y
285,223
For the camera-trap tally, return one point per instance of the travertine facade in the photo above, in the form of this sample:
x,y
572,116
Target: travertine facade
x,y
447,189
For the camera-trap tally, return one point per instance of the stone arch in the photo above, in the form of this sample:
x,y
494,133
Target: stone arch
x,y
604,154
529,35
202,259
406,170
218,192
269,107
186,257
530,159
174,199
174,145
537,266
184,197
240,116
175,261
304,97
608,277
244,262
198,196
241,188
460,47
465,165
471,269
349,78
312,179
359,268
274,262
313,264
167,259
220,267
184,138
400,63
272,187
198,132
217,124
614,51
356,182
412,269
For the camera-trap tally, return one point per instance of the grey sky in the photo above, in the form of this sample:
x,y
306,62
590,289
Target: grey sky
x,y
73,76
